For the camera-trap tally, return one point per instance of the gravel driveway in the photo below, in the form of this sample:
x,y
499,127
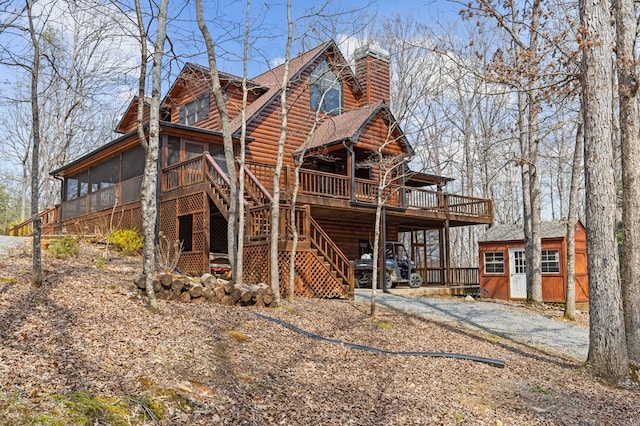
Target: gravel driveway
x,y
528,328
6,242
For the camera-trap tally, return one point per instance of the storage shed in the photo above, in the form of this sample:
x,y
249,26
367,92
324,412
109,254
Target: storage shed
x,y
503,266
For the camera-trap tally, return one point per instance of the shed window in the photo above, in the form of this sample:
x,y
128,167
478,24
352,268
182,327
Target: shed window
x,y
494,262
550,261
194,111
326,90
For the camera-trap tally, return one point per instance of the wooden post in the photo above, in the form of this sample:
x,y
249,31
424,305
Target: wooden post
x,y
207,231
447,239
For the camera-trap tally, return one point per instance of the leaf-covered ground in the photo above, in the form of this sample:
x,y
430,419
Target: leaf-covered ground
x,y
83,349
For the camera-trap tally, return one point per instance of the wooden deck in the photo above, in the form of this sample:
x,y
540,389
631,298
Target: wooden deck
x,y
317,191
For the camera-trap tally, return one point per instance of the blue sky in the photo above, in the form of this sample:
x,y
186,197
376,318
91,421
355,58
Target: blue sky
x,y
325,19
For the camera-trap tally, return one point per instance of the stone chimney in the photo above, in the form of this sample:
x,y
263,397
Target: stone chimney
x,y
374,74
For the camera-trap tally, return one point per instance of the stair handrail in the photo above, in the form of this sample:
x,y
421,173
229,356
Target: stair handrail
x,y
264,194
219,178
325,245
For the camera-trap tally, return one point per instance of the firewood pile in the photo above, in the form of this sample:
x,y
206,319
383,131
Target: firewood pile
x,y
207,289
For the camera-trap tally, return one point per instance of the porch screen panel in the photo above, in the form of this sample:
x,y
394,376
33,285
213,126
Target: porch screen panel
x,y
131,190
105,174
74,208
132,163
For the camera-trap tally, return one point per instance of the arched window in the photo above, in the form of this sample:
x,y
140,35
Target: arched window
x,y
326,90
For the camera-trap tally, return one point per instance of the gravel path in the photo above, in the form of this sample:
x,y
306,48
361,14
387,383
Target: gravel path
x,y
528,328
6,242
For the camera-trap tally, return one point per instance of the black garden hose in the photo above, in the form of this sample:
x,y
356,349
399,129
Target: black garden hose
x,y
493,362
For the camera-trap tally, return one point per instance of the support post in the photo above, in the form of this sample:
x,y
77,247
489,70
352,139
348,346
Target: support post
x,y
447,238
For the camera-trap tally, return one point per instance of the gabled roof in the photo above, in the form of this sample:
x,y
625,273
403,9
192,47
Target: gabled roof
x,y
272,79
131,110
555,229
348,126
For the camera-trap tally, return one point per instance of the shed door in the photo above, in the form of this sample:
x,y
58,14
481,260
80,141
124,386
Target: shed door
x,y
518,277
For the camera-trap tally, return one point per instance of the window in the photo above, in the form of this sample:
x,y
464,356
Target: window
x,y
173,150
326,90
194,111
185,231
494,262
550,261
178,150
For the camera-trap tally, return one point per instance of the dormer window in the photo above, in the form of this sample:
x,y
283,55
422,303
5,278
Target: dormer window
x,y
326,90
194,111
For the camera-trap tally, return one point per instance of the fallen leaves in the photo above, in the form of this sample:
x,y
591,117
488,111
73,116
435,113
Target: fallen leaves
x,y
87,332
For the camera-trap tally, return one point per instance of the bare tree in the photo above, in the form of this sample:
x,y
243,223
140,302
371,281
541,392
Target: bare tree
x,y
239,277
388,167
274,275
572,218
150,145
627,67
216,89
607,356
79,49
36,274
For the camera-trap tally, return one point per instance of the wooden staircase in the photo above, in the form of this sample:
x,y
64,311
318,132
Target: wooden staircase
x,y
258,207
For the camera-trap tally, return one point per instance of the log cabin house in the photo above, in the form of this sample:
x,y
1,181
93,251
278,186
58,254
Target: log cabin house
x,y
336,201
503,265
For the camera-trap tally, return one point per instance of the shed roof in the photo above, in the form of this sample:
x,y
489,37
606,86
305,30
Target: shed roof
x,y
555,229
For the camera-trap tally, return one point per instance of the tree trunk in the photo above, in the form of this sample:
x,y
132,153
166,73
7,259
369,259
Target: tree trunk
x,y
216,89
630,144
151,147
572,218
534,180
275,206
607,343
36,273
239,259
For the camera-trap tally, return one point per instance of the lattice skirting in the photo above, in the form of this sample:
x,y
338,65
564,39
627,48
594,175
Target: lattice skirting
x,y
196,260
312,277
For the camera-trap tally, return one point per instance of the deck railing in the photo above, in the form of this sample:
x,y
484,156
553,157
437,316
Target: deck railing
x,y
182,174
48,218
458,277
308,230
338,187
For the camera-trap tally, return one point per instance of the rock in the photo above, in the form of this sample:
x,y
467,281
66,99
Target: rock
x,y
469,298
198,300
139,281
185,297
157,286
227,300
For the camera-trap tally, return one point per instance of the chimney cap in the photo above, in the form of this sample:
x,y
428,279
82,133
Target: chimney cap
x,y
373,51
